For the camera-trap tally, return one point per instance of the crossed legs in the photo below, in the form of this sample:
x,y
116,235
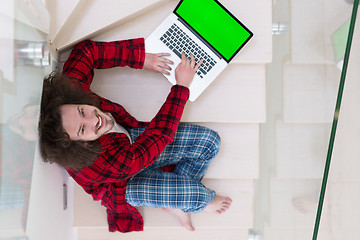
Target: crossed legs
x,y
180,192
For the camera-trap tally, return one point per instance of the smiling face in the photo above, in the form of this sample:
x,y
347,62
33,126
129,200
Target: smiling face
x,y
84,122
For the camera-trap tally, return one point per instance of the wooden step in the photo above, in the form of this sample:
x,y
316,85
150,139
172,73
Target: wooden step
x,y
311,41
130,20
283,233
163,234
237,95
293,203
88,18
257,16
88,213
60,11
239,153
310,92
338,217
301,149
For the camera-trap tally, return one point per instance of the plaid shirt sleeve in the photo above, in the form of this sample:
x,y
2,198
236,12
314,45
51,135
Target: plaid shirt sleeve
x,y
89,55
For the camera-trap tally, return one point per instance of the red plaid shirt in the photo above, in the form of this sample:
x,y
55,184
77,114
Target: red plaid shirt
x,y
119,160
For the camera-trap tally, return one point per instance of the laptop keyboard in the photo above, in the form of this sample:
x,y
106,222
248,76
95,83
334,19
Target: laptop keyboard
x,y
178,41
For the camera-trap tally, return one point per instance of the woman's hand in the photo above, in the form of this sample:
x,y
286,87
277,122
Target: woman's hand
x,y
185,71
157,63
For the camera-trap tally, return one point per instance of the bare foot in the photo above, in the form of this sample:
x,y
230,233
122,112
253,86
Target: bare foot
x,y
219,205
184,218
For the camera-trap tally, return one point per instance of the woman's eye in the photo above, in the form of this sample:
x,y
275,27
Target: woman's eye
x,y
82,112
82,130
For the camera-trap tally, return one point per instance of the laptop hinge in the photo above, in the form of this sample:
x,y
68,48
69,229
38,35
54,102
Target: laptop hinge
x,y
199,37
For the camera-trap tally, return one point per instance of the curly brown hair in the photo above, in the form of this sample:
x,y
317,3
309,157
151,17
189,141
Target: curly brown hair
x,y
55,144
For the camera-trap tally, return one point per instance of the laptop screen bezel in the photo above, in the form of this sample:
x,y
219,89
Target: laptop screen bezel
x,y
209,44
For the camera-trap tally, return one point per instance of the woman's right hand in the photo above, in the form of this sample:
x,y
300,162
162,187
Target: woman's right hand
x,y
185,71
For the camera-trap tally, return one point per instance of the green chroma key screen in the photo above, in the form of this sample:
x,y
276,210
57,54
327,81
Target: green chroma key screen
x,y
221,30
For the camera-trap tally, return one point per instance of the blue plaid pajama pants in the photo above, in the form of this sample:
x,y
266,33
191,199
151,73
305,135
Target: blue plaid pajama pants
x,y
192,151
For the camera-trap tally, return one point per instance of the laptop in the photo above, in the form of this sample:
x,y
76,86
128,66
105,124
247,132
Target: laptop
x,y
204,28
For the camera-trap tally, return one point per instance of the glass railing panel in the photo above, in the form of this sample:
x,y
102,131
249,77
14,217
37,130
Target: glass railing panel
x,y
309,40
337,216
23,64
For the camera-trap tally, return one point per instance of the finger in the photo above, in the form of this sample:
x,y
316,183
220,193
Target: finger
x,y
183,57
163,54
199,64
163,71
168,61
164,65
192,60
188,59
226,206
162,57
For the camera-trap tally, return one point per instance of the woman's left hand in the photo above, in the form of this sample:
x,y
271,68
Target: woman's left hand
x,y
157,63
